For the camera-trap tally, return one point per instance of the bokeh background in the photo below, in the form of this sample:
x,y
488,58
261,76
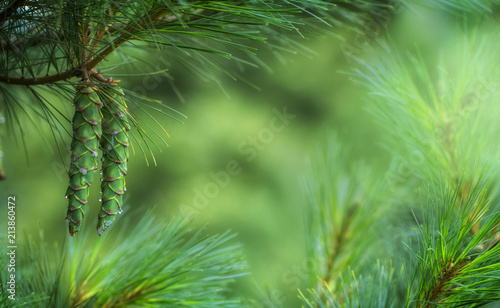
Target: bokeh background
x,y
264,203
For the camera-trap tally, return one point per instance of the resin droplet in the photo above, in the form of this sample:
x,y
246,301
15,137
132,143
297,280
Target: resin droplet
x,y
100,231
100,173
83,171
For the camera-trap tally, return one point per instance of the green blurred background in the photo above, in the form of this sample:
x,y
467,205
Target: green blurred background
x,y
264,203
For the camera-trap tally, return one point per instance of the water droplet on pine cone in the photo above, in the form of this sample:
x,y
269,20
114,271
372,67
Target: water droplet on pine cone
x,y
100,172
100,199
100,231
83,171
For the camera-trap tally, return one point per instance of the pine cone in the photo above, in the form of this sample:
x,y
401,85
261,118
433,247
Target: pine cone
x,y
84,156
114,145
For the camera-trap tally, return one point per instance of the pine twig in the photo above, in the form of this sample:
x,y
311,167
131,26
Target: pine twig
x,y
438,289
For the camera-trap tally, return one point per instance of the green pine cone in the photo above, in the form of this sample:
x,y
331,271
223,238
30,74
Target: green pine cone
x,y
114,145
86,136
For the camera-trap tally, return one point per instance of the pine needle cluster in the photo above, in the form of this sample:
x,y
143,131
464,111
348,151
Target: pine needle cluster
x,y
153,264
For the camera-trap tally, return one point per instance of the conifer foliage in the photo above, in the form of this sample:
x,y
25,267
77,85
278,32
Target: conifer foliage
x,y
62,48
423,231
376,238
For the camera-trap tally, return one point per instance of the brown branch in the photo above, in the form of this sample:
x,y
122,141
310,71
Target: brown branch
x,y
11,9
340,240
439,287
339,246
39,80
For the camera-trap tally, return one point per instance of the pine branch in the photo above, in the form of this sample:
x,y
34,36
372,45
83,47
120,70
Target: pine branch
x,y
452,266
150,264
339,240
108,31
344,200
438,289
49,79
